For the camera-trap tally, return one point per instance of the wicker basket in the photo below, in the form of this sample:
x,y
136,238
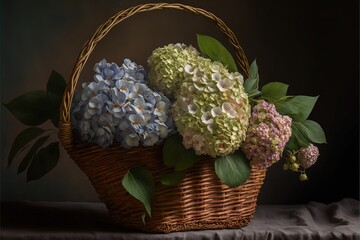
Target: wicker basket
x,y
201,201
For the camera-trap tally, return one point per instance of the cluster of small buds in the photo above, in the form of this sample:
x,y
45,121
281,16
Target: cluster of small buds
x,y
292,163
299,161
308,156
119,107
267,135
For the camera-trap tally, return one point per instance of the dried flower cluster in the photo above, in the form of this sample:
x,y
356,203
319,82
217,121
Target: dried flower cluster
x,y
267,135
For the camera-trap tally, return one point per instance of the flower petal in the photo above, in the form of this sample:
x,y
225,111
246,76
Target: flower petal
x,y
224,84
207,118
216,111
192,108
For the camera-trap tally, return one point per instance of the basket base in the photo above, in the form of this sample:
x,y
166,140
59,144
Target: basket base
x,y
196,225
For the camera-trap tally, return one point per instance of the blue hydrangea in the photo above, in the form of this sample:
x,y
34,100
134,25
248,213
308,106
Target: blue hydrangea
x,y
110,73
118,107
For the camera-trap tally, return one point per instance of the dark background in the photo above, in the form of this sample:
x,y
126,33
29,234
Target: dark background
x,y
311,45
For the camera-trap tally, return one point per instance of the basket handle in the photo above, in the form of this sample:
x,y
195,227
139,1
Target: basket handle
x,y
119,17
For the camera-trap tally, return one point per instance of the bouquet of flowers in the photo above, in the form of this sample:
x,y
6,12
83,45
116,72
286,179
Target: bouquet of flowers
x,y
197,103
192,102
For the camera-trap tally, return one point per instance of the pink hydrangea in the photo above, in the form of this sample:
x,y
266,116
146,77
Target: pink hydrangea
x,y
267,135
308,156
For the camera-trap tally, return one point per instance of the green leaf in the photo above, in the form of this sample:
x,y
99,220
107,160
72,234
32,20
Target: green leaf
x,y
233,169
292,144
251,84
53,101
298,107
254,93
140,184
54,105
31,108
312,131
56,84
274,90
55,118
176,155
31,153
216,51
173,178
44,161
22,139
254,70
298,136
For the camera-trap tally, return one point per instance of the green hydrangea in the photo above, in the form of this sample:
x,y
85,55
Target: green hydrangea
x,y
167,66
211,110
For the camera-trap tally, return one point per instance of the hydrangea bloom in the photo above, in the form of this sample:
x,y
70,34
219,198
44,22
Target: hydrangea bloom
x,y
211,110
119,107
308,156
111,72
167,66
267,135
